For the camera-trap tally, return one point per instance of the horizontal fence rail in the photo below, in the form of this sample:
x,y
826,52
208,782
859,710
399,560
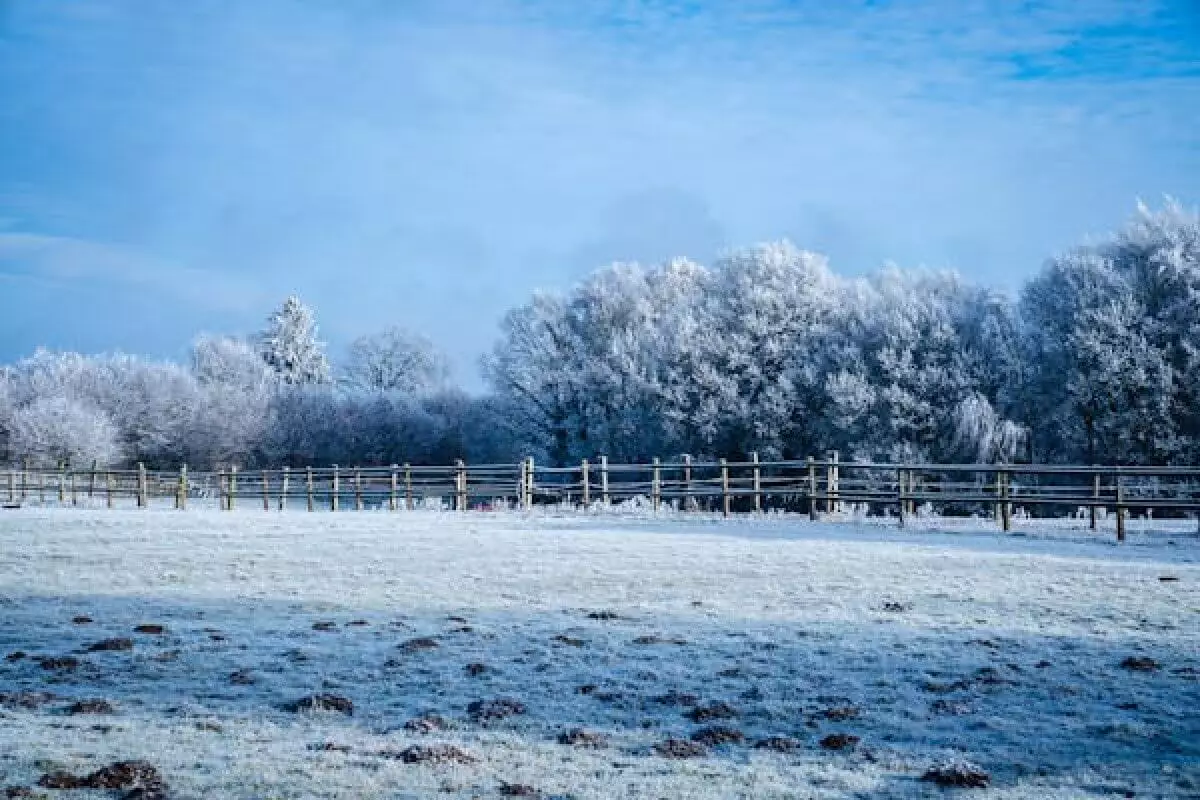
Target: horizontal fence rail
x,y
815,487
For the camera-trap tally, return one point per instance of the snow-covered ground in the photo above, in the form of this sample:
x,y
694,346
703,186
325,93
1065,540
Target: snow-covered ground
x,y
1005,651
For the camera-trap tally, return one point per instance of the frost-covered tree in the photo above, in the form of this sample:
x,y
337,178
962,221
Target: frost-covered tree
x,y
228,360
395,360
535,368
1112,341
56,430
290,346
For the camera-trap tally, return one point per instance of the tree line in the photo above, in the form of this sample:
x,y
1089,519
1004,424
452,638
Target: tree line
x,y
767,350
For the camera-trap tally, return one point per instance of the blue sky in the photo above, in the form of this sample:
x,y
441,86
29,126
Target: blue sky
x,y
167,168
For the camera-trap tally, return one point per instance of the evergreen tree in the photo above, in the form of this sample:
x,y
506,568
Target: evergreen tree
x,y
289,345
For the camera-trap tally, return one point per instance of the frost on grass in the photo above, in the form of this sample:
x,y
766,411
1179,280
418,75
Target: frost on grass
x,y
570,657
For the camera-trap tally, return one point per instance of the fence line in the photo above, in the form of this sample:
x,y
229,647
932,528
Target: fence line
x,y
813,486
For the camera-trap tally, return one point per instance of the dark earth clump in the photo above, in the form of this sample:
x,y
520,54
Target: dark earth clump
x,y
26,700
475,669
1140,664
108,645
500,708
957,775
839,714
329,747
680,748
839,741
602,615
96,706
82,619
780,744
15,655
324,626
656,639
569,640
151,629
896,608
242,677
418,644
357,623
716,735
59,662
431,754
426,723
140,778
711,711
322,702
578,737
23,791
945,688
518,790
674,698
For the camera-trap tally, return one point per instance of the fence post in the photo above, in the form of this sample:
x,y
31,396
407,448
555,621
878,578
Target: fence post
x,y
12,497
283,488
74,492
656,485
521,483
530,486
831,480
143,500
688,501
108,486
62,483
724,487
393,485
41,480
583,481
812,489
408,487
24,479
1005,505
1095,500
604,479
92,480
336,488
1120,509
231,499
181,490
308,489
900,493
460,485
358,495
997,507
757,482
266,491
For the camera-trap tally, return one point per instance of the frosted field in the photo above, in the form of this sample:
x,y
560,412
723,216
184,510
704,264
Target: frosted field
x,y
1007,652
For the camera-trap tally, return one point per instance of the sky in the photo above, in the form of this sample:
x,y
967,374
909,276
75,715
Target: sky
x,y
169,168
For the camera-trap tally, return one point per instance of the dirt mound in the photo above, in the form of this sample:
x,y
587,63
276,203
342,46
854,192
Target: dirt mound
x,y
578,737
500,708
839,741
958,775
717,735
322,702
680,748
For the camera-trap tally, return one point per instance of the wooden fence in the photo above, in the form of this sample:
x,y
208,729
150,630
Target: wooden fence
x,y
813,486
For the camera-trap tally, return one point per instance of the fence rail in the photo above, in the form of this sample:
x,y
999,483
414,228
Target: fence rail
x,y
813,486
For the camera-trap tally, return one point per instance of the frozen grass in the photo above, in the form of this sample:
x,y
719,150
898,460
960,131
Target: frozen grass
x,y
929,646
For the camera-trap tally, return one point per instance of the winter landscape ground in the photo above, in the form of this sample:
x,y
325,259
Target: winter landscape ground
x,y
594,656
